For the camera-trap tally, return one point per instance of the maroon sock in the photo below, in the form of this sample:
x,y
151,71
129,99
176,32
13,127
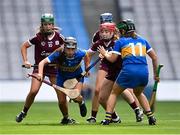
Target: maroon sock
x,y
25,109
114,115
133,105
93,114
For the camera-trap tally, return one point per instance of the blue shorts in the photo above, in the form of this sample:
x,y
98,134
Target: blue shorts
x,y
133,75
61,79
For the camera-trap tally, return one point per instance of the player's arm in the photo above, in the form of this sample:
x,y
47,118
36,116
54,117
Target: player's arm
x,y
154,59
87,62
24,47
60,49
41,67
88,57
110,56
51,58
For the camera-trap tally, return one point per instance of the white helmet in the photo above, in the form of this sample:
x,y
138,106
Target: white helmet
x,y
70,42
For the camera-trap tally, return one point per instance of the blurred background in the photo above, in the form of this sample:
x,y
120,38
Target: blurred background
x,y
156,20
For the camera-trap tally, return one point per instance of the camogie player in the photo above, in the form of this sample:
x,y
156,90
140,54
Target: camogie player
x,y
108,71
69,66
45,42
134,72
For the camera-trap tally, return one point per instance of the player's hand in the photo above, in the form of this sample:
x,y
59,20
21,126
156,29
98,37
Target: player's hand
x,y
39,77
101,50
87,74
156,78
101,56
27,64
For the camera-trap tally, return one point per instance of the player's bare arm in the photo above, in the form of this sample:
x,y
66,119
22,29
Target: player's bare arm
x,y
41,68
112,57
154,59
87,63
24,47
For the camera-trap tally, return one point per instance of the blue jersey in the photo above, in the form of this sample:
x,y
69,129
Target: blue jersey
x,y
134,71
68,67
133,50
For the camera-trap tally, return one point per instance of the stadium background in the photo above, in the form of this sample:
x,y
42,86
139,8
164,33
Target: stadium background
x,y
156,20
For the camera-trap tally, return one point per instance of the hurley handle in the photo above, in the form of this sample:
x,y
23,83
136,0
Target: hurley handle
x,y
157,74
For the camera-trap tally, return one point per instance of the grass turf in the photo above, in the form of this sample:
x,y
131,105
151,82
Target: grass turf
x,y
44,118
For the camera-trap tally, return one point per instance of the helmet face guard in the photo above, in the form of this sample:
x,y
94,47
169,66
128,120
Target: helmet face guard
x,y
70,42
106,17
70,45
47,18
107,30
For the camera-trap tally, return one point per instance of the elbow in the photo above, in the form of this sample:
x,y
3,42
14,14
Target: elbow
x,y
154,58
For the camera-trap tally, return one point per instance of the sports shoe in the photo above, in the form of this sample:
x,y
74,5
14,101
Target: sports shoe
x,y
91,120
116,120
83,109
152,120
20,117
139,114
105,122
66,121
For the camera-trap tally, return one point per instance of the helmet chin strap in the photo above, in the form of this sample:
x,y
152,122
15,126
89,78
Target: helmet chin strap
x,y
106,40
48,33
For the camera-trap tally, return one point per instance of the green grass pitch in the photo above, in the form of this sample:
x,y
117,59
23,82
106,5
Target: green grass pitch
x,y
44,118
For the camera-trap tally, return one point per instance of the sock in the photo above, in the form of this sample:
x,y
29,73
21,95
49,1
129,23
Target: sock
x,y
93,114
25,109
114,115
149,114
133,105
108,116
66,116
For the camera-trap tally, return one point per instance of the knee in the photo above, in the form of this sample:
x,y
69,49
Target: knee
x,y
96,92
102,100
78,99
62,101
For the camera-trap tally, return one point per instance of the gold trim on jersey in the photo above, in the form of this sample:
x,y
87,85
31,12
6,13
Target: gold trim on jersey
x,y
136,51
69,69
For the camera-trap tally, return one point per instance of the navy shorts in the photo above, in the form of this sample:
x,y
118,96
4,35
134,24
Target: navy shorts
x,y
61,79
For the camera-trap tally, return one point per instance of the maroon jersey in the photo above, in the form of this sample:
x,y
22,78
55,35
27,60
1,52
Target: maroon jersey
x,y
114,69
96,37
108,46
44,47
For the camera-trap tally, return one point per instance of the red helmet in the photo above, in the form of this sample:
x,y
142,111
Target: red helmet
x,y
109,26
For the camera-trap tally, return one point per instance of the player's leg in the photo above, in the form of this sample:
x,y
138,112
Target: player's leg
x,y
52,79
116,90
64,109
35,86
145,104
95,103
63,105
135,98
103,97
129,97
80,100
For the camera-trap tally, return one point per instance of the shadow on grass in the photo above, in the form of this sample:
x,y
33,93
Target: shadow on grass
x,y
87,124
